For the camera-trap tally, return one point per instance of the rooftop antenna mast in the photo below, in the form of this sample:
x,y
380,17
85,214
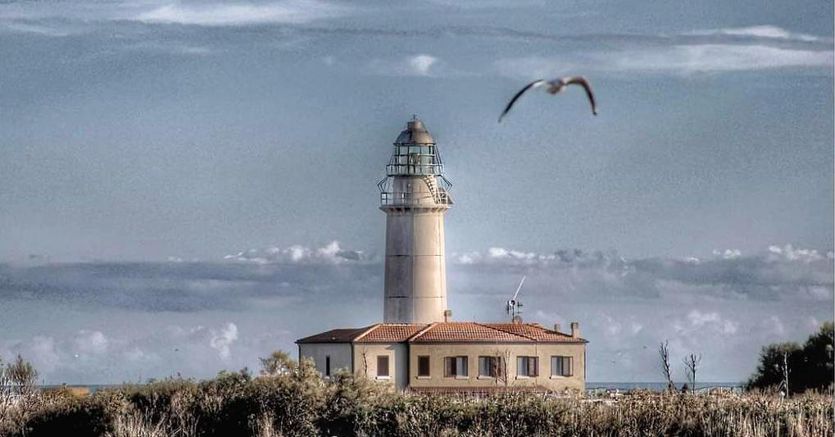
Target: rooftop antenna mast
x,y
514,306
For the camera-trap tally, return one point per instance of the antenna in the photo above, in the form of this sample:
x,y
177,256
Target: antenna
x,y
514,307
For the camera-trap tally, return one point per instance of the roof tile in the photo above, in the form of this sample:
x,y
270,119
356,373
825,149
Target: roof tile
x,y
446,332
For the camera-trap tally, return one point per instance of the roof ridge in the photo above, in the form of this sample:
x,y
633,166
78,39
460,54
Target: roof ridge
x,y
418,334
506,332
367,331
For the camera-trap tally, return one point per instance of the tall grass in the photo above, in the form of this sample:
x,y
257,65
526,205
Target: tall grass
x,y
302,404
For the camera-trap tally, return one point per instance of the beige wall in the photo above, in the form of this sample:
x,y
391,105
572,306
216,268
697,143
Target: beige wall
x,y
340,354
398,362
415,266
437,352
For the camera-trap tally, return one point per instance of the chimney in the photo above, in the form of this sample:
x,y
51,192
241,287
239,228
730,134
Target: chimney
x,y
575,330
447,316
557,327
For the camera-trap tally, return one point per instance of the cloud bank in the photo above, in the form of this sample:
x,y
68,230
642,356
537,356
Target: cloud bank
x,y
207,316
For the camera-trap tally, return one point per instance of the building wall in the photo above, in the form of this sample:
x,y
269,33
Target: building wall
x,y
437,352
340,354
365,359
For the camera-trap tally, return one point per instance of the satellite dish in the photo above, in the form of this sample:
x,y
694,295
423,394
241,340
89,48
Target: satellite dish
x,y
514,306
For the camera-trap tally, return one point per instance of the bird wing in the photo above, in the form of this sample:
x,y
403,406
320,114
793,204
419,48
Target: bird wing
x,y
580,80
533,84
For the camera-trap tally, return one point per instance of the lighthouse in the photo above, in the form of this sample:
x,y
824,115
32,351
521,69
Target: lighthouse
x,y
417,347
415,197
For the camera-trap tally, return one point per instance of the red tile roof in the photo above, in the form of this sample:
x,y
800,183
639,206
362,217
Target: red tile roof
x,y
390,333
467,332
534,331
447,332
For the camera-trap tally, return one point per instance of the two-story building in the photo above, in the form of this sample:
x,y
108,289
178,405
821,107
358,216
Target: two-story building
x,y
454,356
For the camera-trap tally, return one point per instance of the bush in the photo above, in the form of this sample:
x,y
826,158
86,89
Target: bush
x,y
300,403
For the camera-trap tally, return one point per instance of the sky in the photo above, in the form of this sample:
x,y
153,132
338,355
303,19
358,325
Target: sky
x,y
186,186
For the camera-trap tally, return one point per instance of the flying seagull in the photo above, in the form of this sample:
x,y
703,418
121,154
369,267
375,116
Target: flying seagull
x,y
554,87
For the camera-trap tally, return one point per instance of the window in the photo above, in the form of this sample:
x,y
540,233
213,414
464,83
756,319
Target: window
x,y
423,365
382,366
455,366
327,365
527,366
561,366
490,366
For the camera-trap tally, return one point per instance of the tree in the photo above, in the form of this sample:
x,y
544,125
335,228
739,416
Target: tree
x,y
664,354
794,368
17,379
278,363
691,364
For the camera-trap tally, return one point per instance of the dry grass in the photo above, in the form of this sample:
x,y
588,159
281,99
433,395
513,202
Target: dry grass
x,y
302,404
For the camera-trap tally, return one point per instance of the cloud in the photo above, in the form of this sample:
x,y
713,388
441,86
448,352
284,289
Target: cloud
x,y
761,31
421,64
221,340
718,58
676,59
90,342
723,306
728,253
416,65
331,253
239,14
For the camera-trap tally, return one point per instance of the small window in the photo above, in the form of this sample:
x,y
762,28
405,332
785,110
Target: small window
x,y
455,367
490,366
527,366
561,366
327,365
423,365
382,365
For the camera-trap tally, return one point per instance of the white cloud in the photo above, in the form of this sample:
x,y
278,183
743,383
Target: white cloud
x,y
221,340
416,65
762,31
680,59
332,253
240,13
421,64
716,57
728,253
90,342
790,253
712,321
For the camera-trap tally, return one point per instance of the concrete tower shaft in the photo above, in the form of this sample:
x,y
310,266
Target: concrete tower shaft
x,y
414,195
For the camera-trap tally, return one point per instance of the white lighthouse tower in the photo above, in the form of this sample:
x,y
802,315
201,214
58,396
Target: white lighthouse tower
x,y
414,196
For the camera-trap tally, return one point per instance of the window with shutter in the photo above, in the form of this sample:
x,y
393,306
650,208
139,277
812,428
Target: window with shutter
x,y
423,365
382,365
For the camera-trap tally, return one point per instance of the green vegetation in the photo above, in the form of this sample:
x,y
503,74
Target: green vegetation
x,y
809,367
292,400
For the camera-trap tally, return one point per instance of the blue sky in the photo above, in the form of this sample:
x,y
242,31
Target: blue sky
x,y
141,142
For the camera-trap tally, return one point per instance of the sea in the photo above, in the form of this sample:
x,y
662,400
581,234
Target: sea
x,y
658,386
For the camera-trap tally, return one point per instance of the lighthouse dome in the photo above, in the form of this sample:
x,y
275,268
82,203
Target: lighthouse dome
x,y
415,133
